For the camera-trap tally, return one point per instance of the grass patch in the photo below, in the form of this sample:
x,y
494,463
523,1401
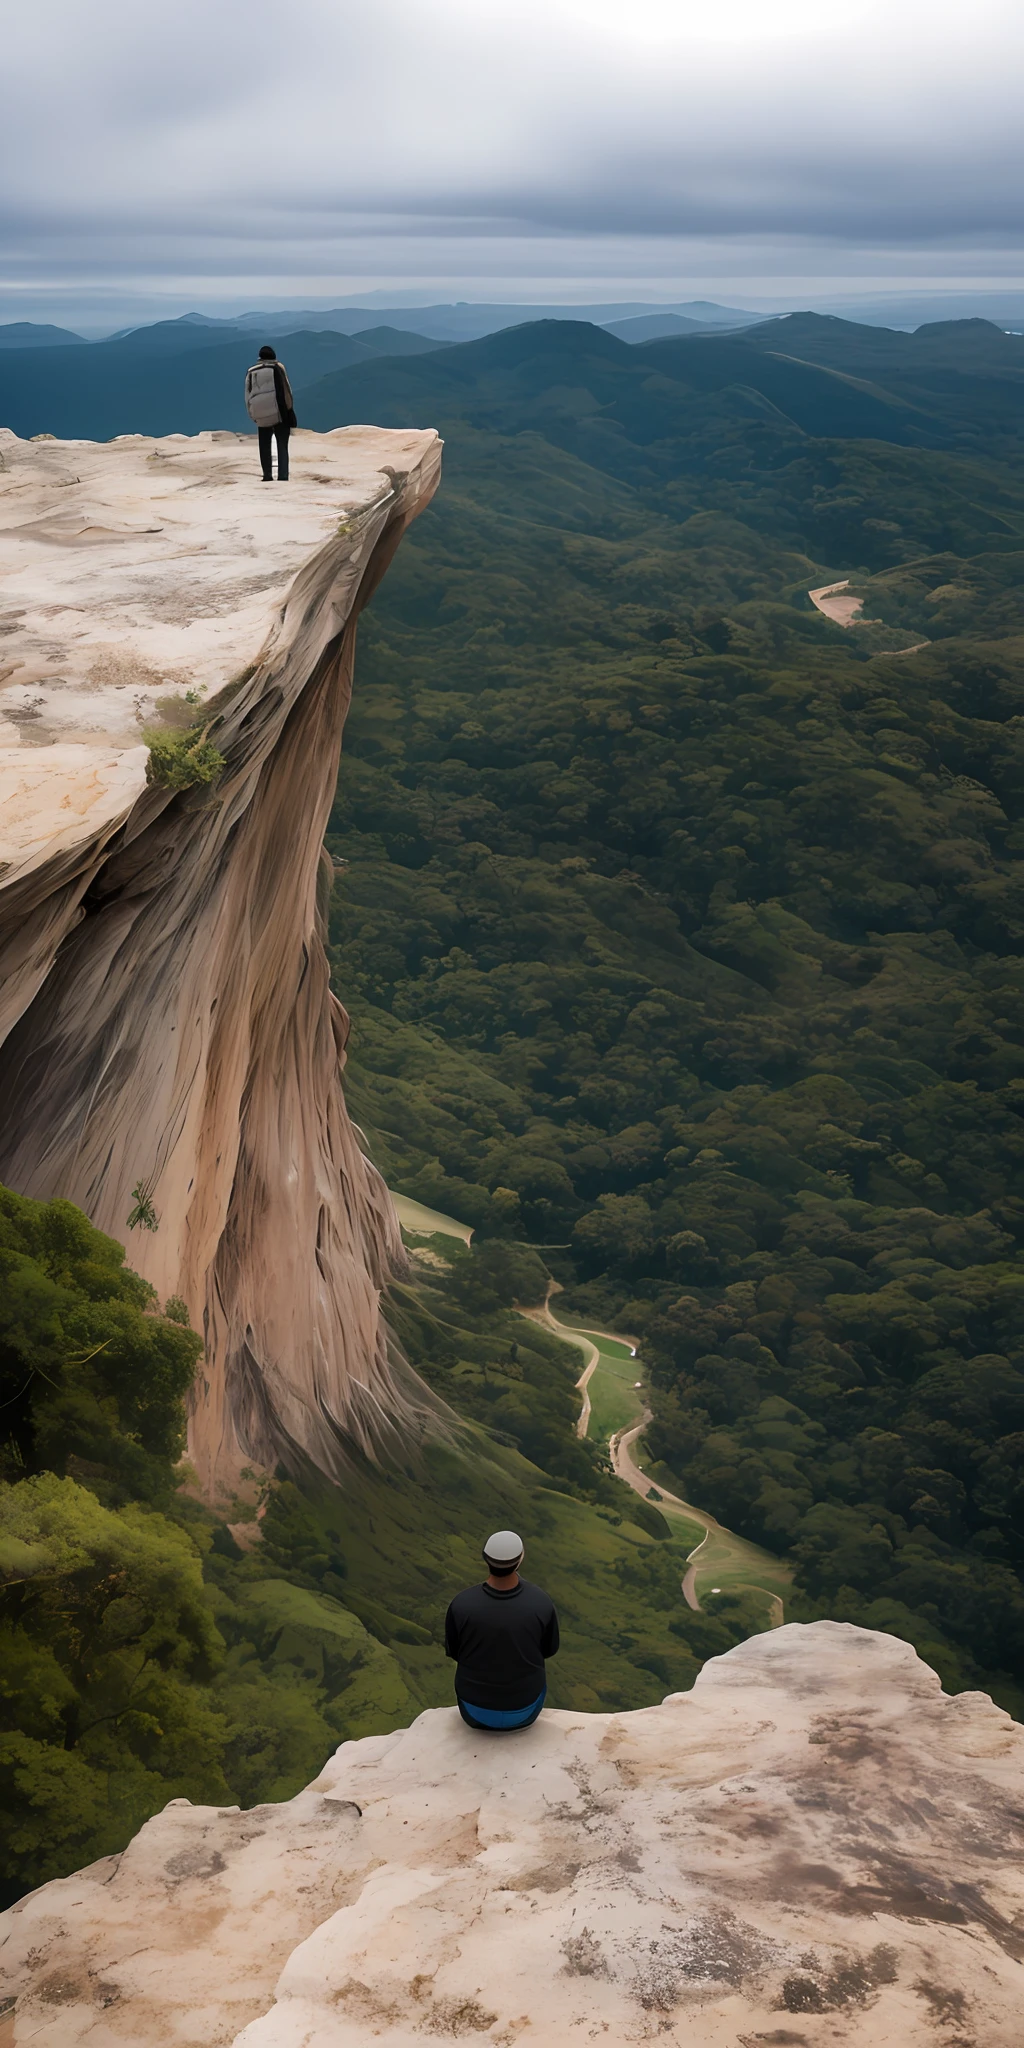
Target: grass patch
x,y
183,760
614,1402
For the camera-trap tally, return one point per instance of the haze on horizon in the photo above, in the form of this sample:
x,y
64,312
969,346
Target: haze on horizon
x,y
536,149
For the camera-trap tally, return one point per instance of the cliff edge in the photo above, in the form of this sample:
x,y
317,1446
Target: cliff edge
x,y
168,1040
815,1845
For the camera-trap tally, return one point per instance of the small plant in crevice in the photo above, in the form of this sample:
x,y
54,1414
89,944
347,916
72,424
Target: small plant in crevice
x,y
183,760
143,1216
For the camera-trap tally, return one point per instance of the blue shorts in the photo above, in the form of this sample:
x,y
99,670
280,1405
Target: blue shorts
x,y
501,1717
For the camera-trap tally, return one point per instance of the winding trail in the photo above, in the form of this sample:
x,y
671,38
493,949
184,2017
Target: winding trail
x,y
720,1555
723,1556
582,1387
582,1342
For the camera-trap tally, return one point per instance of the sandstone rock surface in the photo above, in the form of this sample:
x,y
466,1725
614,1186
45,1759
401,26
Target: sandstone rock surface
x,y
815,1846
165,1014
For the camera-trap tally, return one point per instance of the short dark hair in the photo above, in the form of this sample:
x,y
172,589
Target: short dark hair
x,y
268,354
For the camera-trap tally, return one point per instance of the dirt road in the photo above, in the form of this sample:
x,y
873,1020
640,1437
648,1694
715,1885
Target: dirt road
x,y
582,1343
840,609
720,1555
725,1554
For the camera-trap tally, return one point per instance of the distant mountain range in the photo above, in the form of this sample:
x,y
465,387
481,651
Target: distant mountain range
x,y
30,334
177,377
470,322
436,323
918,309
657,326
958,382
823,375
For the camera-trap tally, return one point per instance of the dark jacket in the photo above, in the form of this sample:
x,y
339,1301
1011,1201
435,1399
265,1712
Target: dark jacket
x,y
499,1642
285,402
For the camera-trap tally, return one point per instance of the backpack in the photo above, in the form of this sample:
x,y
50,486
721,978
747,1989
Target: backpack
x,y
261,396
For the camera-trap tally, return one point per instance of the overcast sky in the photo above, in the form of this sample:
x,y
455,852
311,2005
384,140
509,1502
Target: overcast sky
x,y
221,153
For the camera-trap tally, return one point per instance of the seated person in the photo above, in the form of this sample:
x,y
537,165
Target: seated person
x,y
499,1634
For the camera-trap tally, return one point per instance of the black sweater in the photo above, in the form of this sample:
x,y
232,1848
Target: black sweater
x,y
499,1642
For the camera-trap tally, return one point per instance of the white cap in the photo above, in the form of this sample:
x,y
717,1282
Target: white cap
x,y
503,1548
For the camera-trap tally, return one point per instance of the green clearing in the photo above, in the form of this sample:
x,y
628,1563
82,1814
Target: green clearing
x,y
615,1400
730,1563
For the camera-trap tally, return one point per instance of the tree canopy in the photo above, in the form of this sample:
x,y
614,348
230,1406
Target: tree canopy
x,y
682,929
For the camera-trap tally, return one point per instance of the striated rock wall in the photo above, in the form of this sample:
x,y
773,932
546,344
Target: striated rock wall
x,y
815,1846
165,1014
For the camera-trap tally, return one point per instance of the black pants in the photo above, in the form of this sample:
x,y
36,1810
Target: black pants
x,y
267,436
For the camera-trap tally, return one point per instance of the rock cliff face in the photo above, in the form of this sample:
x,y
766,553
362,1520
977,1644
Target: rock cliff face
x,y
165,1015
815,1846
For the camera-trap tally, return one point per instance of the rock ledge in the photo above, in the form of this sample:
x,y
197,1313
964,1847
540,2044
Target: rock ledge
x,y
816,1845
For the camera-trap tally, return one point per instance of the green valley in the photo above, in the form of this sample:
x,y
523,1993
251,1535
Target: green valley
x,y
680,926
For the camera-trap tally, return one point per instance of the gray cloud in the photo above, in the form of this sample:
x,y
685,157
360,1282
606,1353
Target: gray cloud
x,y
217,148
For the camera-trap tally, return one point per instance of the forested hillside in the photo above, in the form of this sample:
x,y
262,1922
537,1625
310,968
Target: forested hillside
x,y
150,1651
682,928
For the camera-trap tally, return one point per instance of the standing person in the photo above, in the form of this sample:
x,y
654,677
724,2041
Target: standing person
x,y
268,402
499,1635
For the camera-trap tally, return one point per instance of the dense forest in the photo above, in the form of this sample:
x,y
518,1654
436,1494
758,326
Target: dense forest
x,y
682,928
